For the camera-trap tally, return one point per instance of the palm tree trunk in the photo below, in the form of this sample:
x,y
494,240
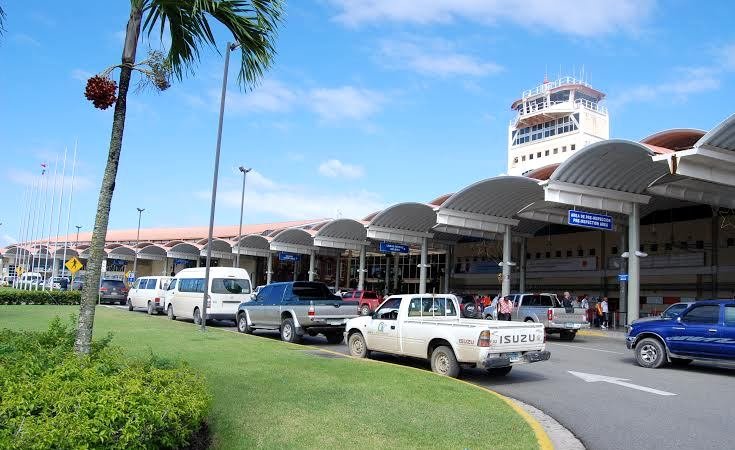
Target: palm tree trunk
x,y
83,342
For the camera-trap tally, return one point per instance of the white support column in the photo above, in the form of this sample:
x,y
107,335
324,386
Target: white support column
x,y
312,265
396,268
424,264
505,289
387,273
447,268
522,274
336,273
361,270
269,269
634,272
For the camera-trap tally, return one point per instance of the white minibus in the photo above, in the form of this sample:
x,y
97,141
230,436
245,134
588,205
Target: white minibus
x,y
148,293
228,287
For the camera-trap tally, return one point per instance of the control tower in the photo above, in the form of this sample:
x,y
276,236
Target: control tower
x,y
554,120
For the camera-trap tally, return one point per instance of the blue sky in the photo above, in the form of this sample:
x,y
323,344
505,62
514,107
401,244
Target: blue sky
x,y
369,102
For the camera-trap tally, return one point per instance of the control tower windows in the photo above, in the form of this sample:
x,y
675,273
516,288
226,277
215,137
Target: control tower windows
x,y
556,150
574,147
564,149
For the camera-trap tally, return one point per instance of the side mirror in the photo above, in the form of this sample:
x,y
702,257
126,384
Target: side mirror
x,y
678,319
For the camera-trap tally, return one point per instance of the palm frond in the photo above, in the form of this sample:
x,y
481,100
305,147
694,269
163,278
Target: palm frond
x,y
253,24
2,21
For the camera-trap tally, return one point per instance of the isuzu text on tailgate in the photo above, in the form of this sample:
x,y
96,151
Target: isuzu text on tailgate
x,y
430,327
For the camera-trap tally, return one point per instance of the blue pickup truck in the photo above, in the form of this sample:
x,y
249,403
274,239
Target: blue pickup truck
x,y
704,331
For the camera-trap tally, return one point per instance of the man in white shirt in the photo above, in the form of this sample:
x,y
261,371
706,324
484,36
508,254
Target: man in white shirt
x,y
604,312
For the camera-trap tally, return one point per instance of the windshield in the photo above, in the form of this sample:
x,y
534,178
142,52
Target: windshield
x,y
674,310
230,286
306,290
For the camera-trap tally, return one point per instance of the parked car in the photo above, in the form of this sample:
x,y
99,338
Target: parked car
x,y
228,287
112,291
77,284
546,309
469,306
297,308
368,301
703,331
148,293
431,327
30,280
60,283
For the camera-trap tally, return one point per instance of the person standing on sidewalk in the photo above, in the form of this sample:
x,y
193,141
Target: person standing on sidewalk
x,y
505,310
604,313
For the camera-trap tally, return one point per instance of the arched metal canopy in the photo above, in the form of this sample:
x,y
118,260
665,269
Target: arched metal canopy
x,y
488,206
59,252
252,245
85,250
117,251
344,234
608,176
292,240
152,252
675,139
12,250
182,250
405,222
220,248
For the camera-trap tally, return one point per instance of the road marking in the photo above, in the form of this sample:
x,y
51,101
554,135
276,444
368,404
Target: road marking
x,y
586,348
592,378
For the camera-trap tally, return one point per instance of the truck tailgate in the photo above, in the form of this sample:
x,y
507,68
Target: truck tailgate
x,y
334,310
572,320
511,339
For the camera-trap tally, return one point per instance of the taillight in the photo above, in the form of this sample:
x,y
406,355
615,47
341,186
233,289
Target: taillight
x,y
103,289
485,339
312,313
157,300
550,314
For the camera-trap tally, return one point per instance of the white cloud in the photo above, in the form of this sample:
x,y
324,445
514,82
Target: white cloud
x,y
334,168
575,17
81,75
271,96
6,239
26,40
346,102
434,57
292,202
688,81
727,56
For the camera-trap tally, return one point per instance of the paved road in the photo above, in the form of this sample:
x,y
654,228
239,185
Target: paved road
x,y
609,416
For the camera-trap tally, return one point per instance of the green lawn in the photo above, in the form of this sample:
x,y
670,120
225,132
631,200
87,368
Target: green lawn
x,y
268,394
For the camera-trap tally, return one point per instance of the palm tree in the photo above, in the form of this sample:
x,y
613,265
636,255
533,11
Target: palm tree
x,y
252,23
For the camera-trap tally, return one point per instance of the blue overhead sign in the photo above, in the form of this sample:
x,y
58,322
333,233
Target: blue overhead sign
x,y
285,256
622,277
590,220
389,247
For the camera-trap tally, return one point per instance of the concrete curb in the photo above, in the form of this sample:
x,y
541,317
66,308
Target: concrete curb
x,y
561,438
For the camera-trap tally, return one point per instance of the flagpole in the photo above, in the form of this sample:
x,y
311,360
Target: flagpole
x,y
51,226
71,198
43,226
21,222
61,201
34,222
27,225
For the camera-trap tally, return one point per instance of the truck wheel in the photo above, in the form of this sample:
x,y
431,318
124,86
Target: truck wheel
x,y
288,332
567,335
130,305
170,312
650,353
680,362
365,310
197,317
357,345
151,309
242,324
444,362
499,371
334,338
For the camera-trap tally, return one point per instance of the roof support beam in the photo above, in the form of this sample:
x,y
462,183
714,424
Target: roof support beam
x,y
331,242
250,251
481,222
467,232
396,235
291,248
697,194
704,163
593,197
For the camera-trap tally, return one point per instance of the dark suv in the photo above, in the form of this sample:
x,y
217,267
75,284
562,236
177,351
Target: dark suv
x,y
113,291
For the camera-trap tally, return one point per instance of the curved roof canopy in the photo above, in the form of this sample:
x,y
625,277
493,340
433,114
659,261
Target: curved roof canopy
x,y
59,252
220,248
607,176
293,240
345,234
489,205
12,250
85,251
152,251
252,245
405,222
182,250
120,252
674,139
721,137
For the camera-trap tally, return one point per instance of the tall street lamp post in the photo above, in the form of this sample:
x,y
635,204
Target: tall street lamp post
x,y
137,241
78,227
230,47
242,203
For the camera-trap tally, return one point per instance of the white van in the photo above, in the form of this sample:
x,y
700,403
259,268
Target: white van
x,y
228,287
30,280
148,293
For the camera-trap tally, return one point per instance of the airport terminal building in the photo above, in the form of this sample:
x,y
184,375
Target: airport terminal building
x,y
646,223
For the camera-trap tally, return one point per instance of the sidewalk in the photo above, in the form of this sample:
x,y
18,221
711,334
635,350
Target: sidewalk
x,y
614,333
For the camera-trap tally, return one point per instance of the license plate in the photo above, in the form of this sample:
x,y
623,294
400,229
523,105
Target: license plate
x,y
336,322
514,357
571,325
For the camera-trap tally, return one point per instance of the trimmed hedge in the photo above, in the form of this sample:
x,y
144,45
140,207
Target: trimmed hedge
x,y
11,296
52,398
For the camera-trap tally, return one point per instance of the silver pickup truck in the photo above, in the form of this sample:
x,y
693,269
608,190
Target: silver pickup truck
x,y
295,309
546,309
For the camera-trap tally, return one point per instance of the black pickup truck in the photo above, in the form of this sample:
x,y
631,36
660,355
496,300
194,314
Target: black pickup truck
x,y
295,309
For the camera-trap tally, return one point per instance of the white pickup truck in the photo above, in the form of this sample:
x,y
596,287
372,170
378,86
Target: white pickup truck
x,y
430,327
